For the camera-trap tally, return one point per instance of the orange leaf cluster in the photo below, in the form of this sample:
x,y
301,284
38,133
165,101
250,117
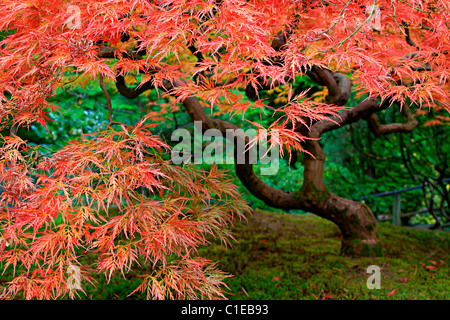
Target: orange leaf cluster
x,y
55,212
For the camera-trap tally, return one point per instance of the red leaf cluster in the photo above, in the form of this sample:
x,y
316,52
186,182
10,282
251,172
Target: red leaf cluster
x,y
55,212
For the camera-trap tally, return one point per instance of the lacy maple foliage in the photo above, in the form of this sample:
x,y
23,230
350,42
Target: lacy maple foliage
x,y
55,212
237,44
195,51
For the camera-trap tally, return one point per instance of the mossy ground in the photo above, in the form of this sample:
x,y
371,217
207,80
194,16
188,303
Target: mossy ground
x,y
296,257
281,256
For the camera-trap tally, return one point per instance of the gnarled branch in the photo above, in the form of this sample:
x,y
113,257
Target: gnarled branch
x,y
339,85
382,129
271,196
346,117
134,92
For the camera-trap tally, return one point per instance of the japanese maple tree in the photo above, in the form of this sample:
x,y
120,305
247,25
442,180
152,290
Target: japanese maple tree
x,y
202,54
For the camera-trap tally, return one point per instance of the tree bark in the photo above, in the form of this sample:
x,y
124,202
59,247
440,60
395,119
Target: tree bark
x,y
355,220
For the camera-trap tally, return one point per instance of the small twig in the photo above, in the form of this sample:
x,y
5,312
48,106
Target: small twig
x,y
416,8
360,26
108,99
141,107
116,123
121,110
408,37
40,146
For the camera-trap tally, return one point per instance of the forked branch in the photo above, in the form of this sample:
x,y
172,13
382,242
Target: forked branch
x,y
383,129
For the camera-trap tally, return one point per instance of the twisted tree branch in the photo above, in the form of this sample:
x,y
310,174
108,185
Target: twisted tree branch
x,y
382,129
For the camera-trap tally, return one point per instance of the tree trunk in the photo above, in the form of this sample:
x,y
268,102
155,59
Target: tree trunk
x,y
355,220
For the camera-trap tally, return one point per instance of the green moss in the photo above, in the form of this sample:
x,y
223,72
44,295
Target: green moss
x,y
309,192
301,258
355,221
371,227
357,248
